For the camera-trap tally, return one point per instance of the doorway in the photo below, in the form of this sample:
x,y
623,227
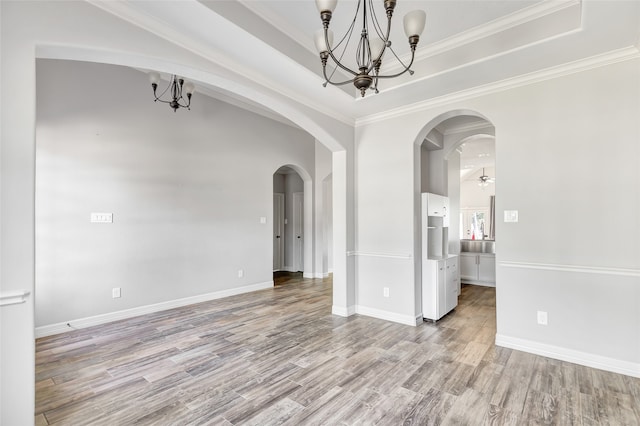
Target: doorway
x,y
288,222
454,152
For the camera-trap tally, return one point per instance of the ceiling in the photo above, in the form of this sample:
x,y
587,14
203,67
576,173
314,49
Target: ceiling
x,y
468,46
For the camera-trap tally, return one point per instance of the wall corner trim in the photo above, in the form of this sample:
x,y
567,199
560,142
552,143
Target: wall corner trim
x,y
62,327
343,311
570,355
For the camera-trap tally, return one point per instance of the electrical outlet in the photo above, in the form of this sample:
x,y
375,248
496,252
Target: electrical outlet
x,y
385,291
240,273
542,318
115,292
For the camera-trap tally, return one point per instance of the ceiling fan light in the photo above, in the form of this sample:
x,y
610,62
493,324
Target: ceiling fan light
x,y
414,22
326,5
320,41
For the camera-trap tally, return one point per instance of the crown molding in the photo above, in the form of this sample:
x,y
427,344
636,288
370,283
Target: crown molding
x,y
597,61
504,23
134,13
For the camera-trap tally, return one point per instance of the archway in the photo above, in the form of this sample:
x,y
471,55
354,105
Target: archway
x,y
292,225
437,170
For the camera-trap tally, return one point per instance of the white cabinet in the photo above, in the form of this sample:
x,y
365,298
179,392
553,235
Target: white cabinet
x,y
478,268
439,287
487,268
438,206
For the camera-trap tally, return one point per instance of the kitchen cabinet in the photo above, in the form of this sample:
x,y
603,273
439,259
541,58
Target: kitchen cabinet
x,y
438,206
440,284
478,268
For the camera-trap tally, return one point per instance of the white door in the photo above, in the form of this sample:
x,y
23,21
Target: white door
x,y
278,231
298,226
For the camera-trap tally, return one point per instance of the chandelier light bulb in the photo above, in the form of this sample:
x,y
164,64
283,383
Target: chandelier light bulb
x,y
189,88
154,77
414,23
377,46
326,5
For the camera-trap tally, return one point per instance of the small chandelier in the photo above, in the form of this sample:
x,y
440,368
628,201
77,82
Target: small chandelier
x,y
178,87
372,45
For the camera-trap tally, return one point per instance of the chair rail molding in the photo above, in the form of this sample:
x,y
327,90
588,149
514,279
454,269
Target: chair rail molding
x,y
13,297
573,268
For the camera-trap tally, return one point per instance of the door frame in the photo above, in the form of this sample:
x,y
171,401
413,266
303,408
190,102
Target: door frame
x,y
278,231
298,231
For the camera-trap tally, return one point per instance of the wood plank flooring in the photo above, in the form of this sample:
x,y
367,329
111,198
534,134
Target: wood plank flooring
x,y
278,356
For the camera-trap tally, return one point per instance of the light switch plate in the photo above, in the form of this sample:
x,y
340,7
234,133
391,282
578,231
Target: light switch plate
x,y
511,215
263,220
101,217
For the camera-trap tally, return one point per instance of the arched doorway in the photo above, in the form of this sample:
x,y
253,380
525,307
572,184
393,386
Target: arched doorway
x,y
439,169
289,236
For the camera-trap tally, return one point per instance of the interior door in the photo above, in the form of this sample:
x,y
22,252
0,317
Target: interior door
x,y
278,231
298,227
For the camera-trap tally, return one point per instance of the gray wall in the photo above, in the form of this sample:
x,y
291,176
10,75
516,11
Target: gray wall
x,y
186,189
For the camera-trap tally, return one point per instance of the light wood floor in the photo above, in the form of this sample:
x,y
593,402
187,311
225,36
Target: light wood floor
x,y
278,356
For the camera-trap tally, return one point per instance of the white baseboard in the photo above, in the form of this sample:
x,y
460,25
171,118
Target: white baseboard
x,y
475,282
388,316
577,357
62,327
320,275
342,311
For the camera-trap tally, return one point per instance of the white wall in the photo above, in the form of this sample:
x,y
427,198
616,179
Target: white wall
x,y
570,217
181,226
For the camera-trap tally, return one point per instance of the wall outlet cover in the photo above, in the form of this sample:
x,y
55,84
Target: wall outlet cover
x,y
543,318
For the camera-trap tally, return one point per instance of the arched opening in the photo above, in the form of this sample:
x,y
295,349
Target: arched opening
x,y
451,152
343,283
292,231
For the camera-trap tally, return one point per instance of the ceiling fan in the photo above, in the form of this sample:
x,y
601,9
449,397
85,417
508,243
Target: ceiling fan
x,y
485,180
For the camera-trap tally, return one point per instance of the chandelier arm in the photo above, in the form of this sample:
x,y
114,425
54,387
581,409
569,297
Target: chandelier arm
x,y
375,62
335,60
376,24
328,80
162,94
406,67
160,100
339,83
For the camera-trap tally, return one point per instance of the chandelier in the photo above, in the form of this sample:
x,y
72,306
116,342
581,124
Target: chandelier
x,y
373,43
178,87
